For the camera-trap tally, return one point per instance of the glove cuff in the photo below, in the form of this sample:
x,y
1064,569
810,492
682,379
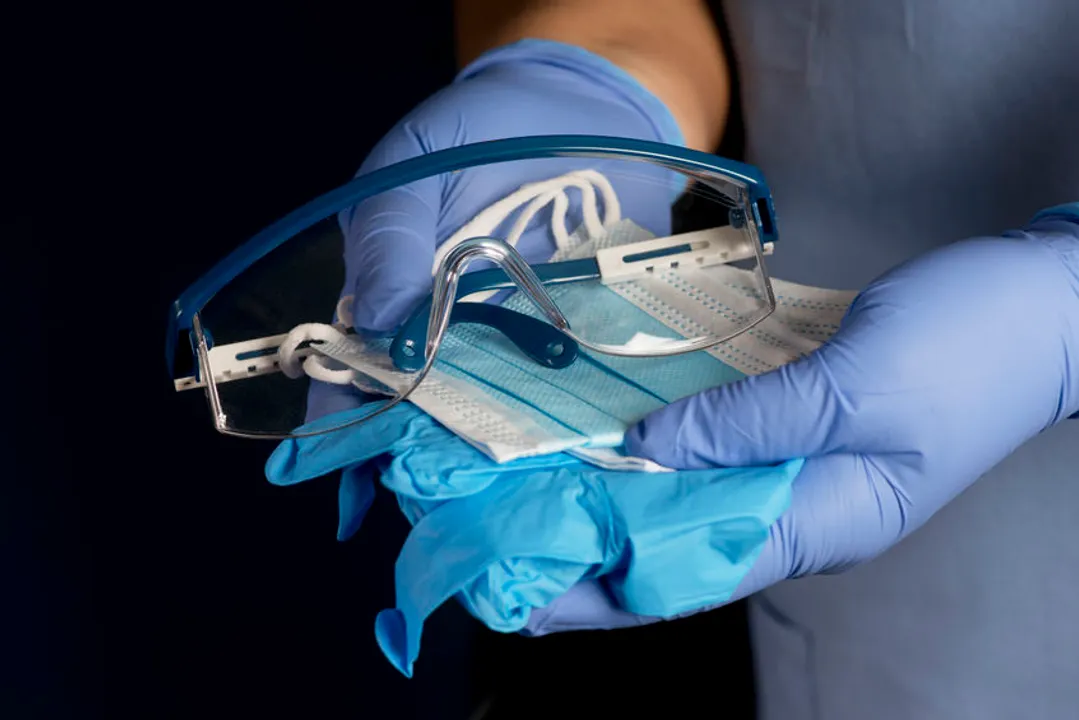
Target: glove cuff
x,y
1060,225
1065,211
592,68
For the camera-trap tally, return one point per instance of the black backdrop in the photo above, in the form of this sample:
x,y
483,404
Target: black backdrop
x,y
148,569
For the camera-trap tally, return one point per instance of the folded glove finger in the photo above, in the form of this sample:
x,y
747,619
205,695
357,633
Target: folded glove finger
x,y
355,493
306,457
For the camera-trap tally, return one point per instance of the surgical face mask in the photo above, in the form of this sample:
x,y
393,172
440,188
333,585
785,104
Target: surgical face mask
x,y
487,392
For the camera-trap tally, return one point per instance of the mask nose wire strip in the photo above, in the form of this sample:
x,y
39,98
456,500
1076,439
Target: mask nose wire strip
x,y
537,196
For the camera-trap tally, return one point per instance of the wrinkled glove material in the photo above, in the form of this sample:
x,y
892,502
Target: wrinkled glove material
x,y
505,539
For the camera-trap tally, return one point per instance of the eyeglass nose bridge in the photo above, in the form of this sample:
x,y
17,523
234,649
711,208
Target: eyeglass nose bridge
x,y
506,257
549,343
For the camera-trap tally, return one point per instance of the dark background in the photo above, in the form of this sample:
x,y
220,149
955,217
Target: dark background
x,y
147,569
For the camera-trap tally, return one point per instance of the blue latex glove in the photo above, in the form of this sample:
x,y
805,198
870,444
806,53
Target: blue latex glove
x,y
512,540
532,87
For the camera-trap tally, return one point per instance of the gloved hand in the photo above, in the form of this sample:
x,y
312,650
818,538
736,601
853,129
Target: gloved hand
x,y
942,368
528,88
532,87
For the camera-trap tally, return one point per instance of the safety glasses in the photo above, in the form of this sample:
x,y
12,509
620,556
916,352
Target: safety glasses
x,y
542,249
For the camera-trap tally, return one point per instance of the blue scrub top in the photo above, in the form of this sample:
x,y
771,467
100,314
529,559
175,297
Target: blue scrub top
x,y
885,129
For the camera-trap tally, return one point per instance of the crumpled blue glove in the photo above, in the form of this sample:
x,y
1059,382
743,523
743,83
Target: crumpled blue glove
x,y
511,540
533,87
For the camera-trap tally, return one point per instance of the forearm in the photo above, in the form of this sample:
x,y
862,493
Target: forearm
x,y
671,47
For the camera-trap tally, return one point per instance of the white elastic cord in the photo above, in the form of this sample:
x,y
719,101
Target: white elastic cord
x,y
317,366
537,196
534,196
344,312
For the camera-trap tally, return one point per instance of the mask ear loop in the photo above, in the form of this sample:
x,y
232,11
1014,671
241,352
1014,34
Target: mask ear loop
x,y
317,366
584,181
536,196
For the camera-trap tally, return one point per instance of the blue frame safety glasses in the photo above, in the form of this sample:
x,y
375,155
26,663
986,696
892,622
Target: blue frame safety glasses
x,y
554,247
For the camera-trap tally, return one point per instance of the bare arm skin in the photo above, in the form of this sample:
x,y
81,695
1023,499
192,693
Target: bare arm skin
x,y
670,46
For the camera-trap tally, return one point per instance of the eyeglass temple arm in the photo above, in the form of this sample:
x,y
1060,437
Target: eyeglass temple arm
x,y
544,343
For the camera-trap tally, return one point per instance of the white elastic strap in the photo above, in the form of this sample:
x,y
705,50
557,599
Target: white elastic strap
x,y
314,366
343,311
556,190
537,196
